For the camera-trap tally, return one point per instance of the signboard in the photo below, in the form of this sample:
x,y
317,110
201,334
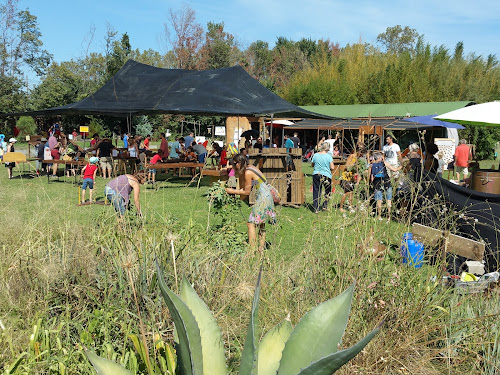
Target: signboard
x,y
447,147
220,130
84,129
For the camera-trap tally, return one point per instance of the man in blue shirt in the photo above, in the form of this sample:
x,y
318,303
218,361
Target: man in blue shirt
x,y
175,149
189,140
125,140
288,143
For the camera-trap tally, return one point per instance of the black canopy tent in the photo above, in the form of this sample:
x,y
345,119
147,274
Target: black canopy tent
x,y
139,89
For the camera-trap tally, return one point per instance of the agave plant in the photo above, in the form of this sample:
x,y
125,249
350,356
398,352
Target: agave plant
x,y
309,348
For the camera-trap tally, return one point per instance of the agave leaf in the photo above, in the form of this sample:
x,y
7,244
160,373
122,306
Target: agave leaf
x,y
104,366
330,364
249,350
317,335
190,357
271,348
212,346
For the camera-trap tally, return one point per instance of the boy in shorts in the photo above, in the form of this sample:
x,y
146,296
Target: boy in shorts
x,y
152,172
88,174
381,184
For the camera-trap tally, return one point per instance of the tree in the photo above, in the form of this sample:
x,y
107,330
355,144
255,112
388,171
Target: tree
x,y
187,39
217,52
20,50
61,86
398,40
260,59
119,55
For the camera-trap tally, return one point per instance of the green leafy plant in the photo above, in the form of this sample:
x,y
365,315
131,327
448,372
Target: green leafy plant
x,y
226,209
311,348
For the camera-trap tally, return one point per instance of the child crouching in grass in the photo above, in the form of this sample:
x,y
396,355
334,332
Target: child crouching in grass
x,y
88,174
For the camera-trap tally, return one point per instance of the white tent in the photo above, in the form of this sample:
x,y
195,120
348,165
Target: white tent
x,y
486,114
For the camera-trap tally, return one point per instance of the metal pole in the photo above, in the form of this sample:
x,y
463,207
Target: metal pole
x,y
271,131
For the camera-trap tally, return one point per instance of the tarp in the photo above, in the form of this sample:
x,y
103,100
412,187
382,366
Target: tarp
x,y
139,89
387,124
429,120
476,214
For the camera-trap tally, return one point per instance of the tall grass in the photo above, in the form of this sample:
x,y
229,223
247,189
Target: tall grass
x,y
71,272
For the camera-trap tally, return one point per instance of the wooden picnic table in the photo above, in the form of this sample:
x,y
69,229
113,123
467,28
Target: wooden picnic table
x,y
176,165
125,161
77,163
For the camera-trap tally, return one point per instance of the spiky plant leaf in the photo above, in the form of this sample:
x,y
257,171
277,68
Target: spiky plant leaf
x,y
190,357
250,350
104,366
330,364
271,348
317,334
212,346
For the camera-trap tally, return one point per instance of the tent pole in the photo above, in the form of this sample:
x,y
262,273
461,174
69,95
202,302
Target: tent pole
x,y
271,131
342,143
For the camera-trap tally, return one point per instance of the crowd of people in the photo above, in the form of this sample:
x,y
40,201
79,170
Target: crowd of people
x,y
378,175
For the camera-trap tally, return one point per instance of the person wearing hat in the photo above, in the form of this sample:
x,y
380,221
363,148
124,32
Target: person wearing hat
x,y
88,175
10,148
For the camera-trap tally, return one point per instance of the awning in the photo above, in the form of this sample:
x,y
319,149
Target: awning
x,y
139,89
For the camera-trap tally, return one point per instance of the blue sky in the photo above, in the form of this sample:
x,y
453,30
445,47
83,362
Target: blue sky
x,y
66,25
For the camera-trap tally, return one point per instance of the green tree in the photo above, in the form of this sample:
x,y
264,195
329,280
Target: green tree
x,y
217,52
398,40
119,55
61,85
26,126
21,50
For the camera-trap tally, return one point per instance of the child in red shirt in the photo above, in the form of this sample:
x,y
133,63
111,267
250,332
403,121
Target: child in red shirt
x,y
88,174
152,172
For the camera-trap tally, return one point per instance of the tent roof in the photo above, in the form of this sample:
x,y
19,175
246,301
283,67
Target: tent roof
x,y
388,124
386,110
138,89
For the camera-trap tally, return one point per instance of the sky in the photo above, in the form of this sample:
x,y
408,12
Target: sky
x,y
66,25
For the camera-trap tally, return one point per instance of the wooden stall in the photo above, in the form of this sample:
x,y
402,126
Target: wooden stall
x,y
283,170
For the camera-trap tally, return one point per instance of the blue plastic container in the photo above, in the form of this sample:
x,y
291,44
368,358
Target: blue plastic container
x,y
413,253
403,250
417,257
407,236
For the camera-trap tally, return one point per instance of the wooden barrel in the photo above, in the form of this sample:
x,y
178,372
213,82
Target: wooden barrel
x,y
486,181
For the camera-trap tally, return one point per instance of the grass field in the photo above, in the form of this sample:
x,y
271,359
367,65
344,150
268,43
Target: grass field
x,y
65,285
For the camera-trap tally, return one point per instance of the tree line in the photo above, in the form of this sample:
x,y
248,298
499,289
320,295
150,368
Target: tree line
x,y
400,67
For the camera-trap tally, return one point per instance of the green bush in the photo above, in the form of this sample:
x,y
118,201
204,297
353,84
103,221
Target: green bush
x,y
26,126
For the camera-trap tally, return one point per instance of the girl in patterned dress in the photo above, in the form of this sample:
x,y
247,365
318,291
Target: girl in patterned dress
x,y
263,209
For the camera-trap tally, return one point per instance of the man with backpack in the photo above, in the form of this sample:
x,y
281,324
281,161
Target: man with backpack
x,y
381,183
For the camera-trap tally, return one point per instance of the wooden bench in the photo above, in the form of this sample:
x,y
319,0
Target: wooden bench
x,y
215,174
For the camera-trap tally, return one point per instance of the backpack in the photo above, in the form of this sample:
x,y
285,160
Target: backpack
x,y
378,170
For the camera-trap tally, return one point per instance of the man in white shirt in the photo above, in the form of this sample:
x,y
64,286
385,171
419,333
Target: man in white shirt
x,y
392,154
331,142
